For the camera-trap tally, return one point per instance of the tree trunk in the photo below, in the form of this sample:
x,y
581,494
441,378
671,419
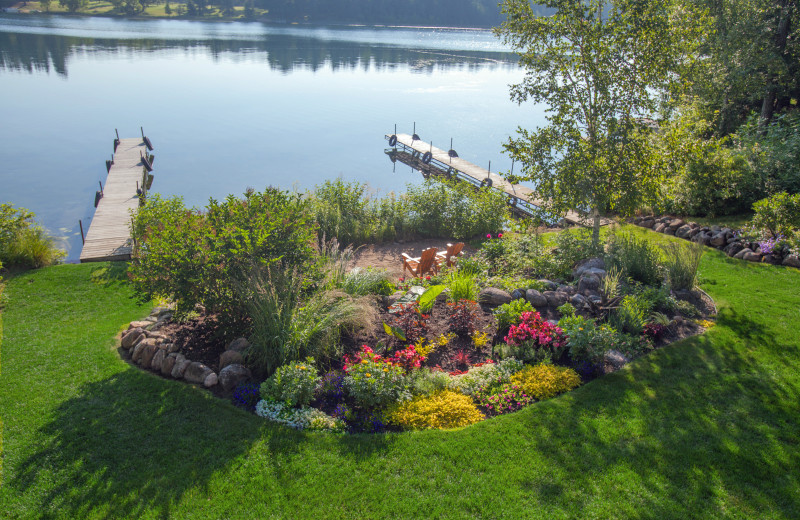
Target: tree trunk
x,y
595,227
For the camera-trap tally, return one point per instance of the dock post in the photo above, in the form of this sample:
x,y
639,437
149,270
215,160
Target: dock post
x,y
101,188
83,238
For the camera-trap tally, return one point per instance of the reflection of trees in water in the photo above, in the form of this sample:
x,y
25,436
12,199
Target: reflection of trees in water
x,y
37,53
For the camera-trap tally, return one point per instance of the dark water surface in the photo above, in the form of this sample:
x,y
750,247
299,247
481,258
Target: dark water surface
x,y
232,105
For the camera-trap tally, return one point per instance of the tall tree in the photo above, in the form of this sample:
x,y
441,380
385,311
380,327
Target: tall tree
x,y
599,66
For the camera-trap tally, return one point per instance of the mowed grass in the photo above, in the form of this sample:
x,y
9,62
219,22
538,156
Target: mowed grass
x,y
706,428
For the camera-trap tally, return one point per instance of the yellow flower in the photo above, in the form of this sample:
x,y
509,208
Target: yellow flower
x,y
368,374
363,361
580,328
385,369
303,368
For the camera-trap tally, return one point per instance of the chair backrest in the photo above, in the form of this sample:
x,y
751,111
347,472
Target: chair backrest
x,y
454,249
426,260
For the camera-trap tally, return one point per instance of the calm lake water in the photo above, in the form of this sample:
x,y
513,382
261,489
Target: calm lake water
x,y
232,105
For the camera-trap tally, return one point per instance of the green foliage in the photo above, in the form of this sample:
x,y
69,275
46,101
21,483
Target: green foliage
x,y
597,66
345,211
73,5
509,313
461,317
285,328
657,298
681,263
427,380
23,242
567,310
461,286
586,340
778,214
638,259
362,281
204,258
292,384
573,246
704,175
428,298
773,151
687,309
632,314
485,375
442,208
376,384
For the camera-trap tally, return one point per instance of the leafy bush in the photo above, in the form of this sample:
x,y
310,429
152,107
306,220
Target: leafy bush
x,y
427,380
363,281
636,258
292,384
632,314
304,418
778,214
502,399
206,258
441,409
545,381
534,339
428,298
461,286
441,208
510,313
461,317
774,152
681,263
687,309
284,329
344,210
412,323
573,246
485,375
408,359
587,341
373,382
23,242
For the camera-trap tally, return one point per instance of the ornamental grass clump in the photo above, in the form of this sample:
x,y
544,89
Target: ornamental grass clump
x,y
442,409
545,381
682,263
292,384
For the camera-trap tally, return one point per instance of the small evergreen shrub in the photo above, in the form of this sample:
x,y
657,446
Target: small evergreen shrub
x,y
427,380
545,381
510,313
292,384
439,410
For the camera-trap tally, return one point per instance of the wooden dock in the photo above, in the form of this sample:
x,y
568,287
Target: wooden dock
x,y
109,236
522,199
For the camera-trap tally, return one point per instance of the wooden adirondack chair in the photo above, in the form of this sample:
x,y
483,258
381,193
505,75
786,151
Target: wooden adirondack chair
x,y
418,267
449,257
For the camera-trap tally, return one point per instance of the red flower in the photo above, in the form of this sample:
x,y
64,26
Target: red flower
x,y
488,235
499,235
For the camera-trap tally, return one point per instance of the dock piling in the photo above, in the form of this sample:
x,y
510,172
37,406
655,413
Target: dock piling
x,y
83,238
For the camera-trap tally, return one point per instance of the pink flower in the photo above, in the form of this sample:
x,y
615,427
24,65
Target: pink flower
x,y
488,235
499,235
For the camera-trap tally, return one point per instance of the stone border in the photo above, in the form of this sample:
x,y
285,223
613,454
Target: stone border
x,y
717,237
151,349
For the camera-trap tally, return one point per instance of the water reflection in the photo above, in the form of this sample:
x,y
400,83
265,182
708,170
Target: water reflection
x,y
281,50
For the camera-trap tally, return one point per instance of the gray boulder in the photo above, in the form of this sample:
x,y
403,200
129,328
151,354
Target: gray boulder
x,y
578,301
536,298
585,265
239,345
132,337
517,294
139,324
136,353
660,228
168,364
733,248
210,380
555,299
548,285
196,372
683,231
792,261
648,222
230,357
674,224
181,364
232,375
752,257
493,297
588,282
742,252
148,353
158,360
615,359
718,240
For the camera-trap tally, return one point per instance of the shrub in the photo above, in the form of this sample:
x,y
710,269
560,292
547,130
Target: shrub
x,y
304,418
461,286
687,309
587,341
485,375
441,208
23,242
461,317
502,399
373,382
681,263
774,151
534,339
410,321
360,282
427,380
636,258
546,381
206,258
480,339
573,246
292,384
778,214
631,315
285,330
442,409
510,313
408,358
344,210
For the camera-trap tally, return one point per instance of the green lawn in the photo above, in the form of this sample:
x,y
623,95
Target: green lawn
x,y
707,428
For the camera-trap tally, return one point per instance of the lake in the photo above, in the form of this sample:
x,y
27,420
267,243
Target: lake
x,y
236,105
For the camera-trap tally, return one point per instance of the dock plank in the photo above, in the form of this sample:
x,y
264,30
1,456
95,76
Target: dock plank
x,y
479,174
109,236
